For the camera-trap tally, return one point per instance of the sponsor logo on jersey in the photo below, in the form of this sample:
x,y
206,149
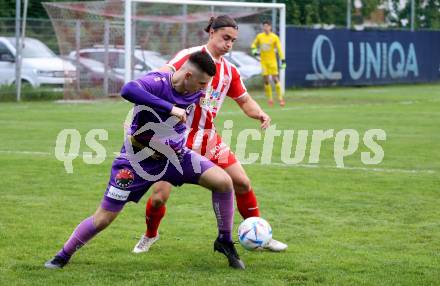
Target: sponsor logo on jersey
x,y
208,91
226,80
266,47
210,103
215,94
124,178
117,194
203,102
189,109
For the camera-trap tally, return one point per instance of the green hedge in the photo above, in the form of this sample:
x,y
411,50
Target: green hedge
x,y
28,93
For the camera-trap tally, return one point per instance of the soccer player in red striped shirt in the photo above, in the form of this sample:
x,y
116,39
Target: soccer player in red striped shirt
x,y
203,137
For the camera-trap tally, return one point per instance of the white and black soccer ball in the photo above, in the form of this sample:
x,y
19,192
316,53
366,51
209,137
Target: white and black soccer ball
x,y
254,232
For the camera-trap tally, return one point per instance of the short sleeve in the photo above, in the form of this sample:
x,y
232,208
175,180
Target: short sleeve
x,y
237,88
179,59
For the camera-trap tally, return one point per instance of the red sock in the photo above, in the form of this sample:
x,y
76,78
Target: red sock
x,y
247,204
153,216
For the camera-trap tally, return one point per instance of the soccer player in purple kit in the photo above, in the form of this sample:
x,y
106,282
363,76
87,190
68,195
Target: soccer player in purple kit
x,y
160,100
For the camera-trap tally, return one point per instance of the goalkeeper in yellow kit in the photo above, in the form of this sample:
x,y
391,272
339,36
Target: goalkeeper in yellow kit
x,y
269,44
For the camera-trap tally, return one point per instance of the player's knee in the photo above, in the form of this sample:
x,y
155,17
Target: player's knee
x,y
158,201
102,221
101,224
160,196
225,183
242,184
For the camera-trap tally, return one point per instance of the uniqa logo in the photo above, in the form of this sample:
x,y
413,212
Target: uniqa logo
x,y
383,60
379,60
321,70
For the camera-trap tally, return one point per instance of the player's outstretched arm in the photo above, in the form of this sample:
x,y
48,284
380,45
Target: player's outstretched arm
x,y
134,93
251,108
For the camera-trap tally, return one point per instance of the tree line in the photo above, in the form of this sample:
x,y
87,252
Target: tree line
x,y
307,12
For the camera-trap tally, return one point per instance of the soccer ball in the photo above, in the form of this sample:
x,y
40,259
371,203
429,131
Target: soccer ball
x,y
254,232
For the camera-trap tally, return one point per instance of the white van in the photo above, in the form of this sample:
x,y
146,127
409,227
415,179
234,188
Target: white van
x,y
40,66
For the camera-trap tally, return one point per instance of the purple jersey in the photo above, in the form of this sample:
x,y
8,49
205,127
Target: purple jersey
x,y
154,97
134,171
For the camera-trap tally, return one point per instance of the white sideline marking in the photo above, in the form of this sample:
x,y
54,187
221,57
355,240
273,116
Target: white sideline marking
x,y
34,153
18,152
384,170
304,107
25,152
323,107
76,101
380,170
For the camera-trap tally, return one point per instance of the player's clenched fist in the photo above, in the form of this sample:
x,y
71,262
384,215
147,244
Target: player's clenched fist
x,y
179,113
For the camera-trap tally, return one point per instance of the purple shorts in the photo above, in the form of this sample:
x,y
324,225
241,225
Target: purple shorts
x,y
130,180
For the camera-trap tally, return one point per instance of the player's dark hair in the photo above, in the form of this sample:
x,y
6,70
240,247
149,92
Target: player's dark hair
x,y
203,61
221,21
267,23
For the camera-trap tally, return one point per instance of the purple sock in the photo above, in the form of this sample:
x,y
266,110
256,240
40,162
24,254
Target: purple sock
x,y
84,232
223,204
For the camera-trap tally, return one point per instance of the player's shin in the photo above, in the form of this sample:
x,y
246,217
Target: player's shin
x,y
278,91
247,204
268,91
223,204
153,217
84,232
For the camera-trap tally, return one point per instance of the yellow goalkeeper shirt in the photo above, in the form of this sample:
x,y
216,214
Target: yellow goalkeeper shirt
x,y
267,43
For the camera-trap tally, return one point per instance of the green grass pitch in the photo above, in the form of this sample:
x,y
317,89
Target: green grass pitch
x,y
359,225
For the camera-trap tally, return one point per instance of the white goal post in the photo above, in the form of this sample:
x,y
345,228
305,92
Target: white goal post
x,y
128,24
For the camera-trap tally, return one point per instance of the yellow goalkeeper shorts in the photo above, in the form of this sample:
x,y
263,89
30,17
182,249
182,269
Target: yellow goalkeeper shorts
x,y
269,68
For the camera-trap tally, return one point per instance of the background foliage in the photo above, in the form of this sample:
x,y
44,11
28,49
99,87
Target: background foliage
x,y
302,12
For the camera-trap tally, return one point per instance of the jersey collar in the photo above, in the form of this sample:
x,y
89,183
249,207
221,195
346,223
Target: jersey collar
x,y
205,47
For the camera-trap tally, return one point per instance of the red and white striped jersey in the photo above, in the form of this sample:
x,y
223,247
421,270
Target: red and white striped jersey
x,y
226,82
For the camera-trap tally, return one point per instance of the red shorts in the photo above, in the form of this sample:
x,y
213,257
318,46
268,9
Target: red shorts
x,y
217,151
